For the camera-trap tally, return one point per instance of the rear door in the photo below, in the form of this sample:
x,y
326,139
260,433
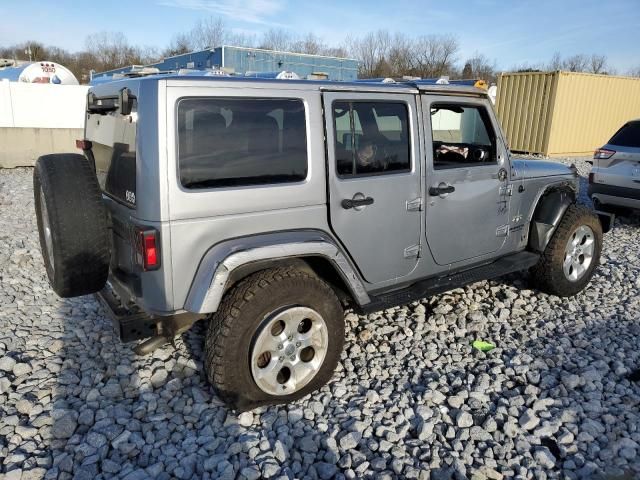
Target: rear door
x,y
374,180
468,190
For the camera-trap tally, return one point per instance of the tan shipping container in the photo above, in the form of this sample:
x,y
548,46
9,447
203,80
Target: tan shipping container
x,y
564,113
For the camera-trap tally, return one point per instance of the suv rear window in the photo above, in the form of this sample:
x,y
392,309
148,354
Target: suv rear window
x,y
627,136
226,142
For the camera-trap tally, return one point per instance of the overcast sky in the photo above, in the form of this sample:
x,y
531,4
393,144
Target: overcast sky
x,y
512,32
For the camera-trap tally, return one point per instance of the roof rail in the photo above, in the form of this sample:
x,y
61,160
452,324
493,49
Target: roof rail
x,y
416,81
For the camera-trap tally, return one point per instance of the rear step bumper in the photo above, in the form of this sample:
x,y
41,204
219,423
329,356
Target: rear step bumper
x,y
433,286
133,324
129,324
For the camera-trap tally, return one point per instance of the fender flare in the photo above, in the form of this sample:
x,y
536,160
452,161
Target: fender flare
x,y
221,260
549,211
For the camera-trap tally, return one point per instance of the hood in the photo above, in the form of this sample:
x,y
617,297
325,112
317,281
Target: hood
x,y
531,168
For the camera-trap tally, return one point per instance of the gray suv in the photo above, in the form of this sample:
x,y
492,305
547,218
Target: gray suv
x,y
271,206
614,180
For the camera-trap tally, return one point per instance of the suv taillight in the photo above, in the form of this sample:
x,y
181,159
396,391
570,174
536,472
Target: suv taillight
x,y
147,249
591,178
603,154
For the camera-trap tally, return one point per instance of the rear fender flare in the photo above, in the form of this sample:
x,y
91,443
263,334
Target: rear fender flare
x,y
216,270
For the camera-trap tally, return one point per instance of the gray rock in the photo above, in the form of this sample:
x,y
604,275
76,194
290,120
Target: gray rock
x,y
64,426
565,438
159,378
350,440
279,451
7,364
5,385
425,430
308,444
528,420
96,440
245,419
325,470
20,369
544,457
26,432
250,473
464,420
570,381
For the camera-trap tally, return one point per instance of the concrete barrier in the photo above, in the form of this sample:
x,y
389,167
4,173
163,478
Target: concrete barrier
x,y
36,119
21,147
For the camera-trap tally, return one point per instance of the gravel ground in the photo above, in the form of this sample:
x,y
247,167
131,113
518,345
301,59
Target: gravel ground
x,y
558,398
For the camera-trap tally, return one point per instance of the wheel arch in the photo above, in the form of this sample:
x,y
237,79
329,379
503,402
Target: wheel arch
x,y
225,264
550,207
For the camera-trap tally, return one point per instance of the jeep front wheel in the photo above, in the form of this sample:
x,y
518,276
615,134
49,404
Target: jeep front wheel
x,y
568,262
276,337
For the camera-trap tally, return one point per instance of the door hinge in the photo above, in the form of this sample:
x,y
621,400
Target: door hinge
x,y
412,251
506,190
502,231
414,205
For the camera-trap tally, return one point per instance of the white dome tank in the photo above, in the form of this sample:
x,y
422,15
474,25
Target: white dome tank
x,y
39,72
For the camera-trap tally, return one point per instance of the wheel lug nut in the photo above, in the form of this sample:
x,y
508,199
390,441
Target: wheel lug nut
x,y
290,337
297,344
280,346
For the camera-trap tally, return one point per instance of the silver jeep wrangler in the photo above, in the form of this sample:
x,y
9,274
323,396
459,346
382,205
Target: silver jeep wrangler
x,y
271,206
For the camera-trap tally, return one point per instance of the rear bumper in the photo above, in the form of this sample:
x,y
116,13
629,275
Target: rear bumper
x,y
614,195
129,322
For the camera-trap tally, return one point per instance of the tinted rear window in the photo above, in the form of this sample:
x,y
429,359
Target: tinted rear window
x,y
627,136
241,141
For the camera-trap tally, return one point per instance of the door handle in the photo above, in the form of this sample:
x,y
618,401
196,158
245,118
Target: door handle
x,y
441,189
348,203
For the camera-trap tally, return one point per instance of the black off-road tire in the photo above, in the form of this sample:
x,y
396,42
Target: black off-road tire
x,y
548,275
243,311
80,247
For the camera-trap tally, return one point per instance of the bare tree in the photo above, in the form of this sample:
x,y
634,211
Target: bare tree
x,y
436,55
556,62
593,63
401,56
372,50
276,39
597,63
634,72
208,33
180,43
480,67
309,44
112,50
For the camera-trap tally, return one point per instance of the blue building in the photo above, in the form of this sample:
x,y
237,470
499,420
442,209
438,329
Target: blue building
x,y
245,60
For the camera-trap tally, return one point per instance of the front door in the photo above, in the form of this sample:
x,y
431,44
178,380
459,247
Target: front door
x,y
468,191
374,180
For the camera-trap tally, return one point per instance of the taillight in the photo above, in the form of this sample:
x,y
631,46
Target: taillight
x,y
83,144
603,154
591,177
148,249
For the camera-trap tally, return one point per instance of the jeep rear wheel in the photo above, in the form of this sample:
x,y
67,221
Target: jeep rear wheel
x,y
568,262
72,223
276,337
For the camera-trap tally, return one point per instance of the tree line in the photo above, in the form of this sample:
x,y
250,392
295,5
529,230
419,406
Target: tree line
x,y
381,53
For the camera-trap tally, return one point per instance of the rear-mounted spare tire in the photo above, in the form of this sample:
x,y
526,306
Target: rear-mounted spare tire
x,y
72,222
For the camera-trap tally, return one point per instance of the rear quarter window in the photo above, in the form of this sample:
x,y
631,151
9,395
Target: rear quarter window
x,y
627,136
227,142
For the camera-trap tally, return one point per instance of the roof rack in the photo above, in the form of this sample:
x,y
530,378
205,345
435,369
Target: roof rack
x,y
416,81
